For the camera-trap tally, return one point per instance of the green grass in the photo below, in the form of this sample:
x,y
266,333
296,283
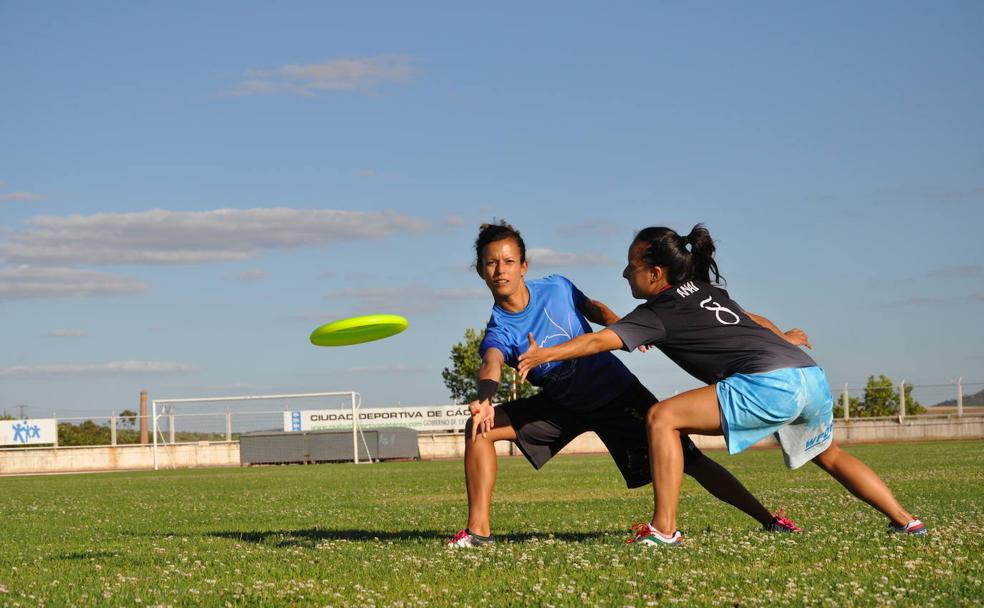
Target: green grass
x,y
372,535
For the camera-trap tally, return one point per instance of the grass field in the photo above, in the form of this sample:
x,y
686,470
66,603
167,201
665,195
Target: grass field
x,y
372,535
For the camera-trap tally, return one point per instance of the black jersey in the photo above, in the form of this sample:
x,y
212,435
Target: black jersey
x,y
704,331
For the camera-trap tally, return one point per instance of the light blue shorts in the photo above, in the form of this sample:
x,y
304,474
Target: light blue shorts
x,y
793,404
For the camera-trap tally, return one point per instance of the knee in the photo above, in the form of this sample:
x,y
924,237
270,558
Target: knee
x,y
827,458
658,418
468,434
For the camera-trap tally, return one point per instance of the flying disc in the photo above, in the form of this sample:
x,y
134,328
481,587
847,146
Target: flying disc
x,y
356,330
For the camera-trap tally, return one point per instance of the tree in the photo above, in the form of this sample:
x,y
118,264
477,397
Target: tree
x,y
881,398
127,419
462,377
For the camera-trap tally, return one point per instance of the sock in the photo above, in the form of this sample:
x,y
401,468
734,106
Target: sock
x,y
478,536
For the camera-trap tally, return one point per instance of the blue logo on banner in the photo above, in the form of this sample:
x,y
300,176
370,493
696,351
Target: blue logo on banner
x,y
295,421
23,432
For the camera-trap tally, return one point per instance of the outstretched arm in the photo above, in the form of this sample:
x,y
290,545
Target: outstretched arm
x,y
795,336
598,313
489,374
581,346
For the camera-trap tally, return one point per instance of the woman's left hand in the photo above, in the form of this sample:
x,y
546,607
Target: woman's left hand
x,y
533,357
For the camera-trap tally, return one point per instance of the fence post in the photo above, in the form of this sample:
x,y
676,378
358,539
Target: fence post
x,y
960,397
170,425
901,400
55,416
228,425
846,402
112,430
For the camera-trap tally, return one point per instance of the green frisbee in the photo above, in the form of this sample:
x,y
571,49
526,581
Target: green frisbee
x,y
356,330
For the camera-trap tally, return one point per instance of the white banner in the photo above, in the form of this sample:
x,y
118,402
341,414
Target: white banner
x,y
423,419
28,432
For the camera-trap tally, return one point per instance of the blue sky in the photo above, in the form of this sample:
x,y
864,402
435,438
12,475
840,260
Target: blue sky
x,y
188,189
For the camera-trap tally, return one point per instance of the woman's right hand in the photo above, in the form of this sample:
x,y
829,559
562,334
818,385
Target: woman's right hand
x,y
483,417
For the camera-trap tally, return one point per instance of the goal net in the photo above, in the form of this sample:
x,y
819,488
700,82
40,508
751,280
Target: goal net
x,y
224,419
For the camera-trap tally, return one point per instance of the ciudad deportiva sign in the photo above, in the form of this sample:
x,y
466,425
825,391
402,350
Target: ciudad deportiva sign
x,y
426,418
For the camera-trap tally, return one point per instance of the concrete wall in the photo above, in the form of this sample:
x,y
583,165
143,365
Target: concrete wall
x,y
445,445
119,458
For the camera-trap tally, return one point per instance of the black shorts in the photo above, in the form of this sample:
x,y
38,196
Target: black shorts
x,y
543,428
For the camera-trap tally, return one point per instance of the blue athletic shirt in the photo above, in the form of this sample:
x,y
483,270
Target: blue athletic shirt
x,y
554,316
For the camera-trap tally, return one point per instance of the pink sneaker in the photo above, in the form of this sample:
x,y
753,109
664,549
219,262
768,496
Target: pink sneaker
x,y
781,523
466,540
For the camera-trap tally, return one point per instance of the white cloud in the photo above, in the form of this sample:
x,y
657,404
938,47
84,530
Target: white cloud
x,y
591,228
956,272
397,368
94,369
548,258
188,237
403,300
32,282
252,275
66,333
344,74
20,196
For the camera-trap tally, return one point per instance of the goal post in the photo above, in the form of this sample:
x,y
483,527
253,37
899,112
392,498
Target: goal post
x,y
160,407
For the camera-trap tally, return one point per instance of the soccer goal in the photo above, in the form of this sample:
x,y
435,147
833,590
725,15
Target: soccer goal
x,y
218,418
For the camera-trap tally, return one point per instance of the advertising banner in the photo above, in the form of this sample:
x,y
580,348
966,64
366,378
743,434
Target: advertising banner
x,y
29,432
421,419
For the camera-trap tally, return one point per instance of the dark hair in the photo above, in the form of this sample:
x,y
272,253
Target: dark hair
x,y
497,231
668,249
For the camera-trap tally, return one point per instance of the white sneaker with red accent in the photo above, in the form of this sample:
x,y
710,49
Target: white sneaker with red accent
x,y
466,540
914,528
646,534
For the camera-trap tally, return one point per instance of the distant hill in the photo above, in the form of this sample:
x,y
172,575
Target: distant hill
x,y
975,399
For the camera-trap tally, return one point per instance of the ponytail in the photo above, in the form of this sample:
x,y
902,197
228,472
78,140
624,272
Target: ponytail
x,y
702,249
666,248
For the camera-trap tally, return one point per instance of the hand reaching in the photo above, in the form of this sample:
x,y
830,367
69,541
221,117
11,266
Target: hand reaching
x,y
797,337
532,358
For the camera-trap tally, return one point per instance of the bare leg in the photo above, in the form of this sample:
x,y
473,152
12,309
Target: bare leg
x,y
481,467
861,481
725,487
694,411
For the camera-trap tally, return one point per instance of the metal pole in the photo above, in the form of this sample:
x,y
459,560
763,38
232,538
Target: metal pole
x,y
960,397
154,402
143,417
355,441
112,430
228,425
901,400
170,428
846,401
55,416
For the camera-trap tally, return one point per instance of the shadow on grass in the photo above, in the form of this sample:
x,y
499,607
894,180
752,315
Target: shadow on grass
x,y
80,555
310,537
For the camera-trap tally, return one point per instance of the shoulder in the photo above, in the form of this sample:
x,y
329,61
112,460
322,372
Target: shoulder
x,y
552,280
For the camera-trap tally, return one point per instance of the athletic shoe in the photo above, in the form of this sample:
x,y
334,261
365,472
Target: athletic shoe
x,y
646,534
466,540
914,527
781,523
